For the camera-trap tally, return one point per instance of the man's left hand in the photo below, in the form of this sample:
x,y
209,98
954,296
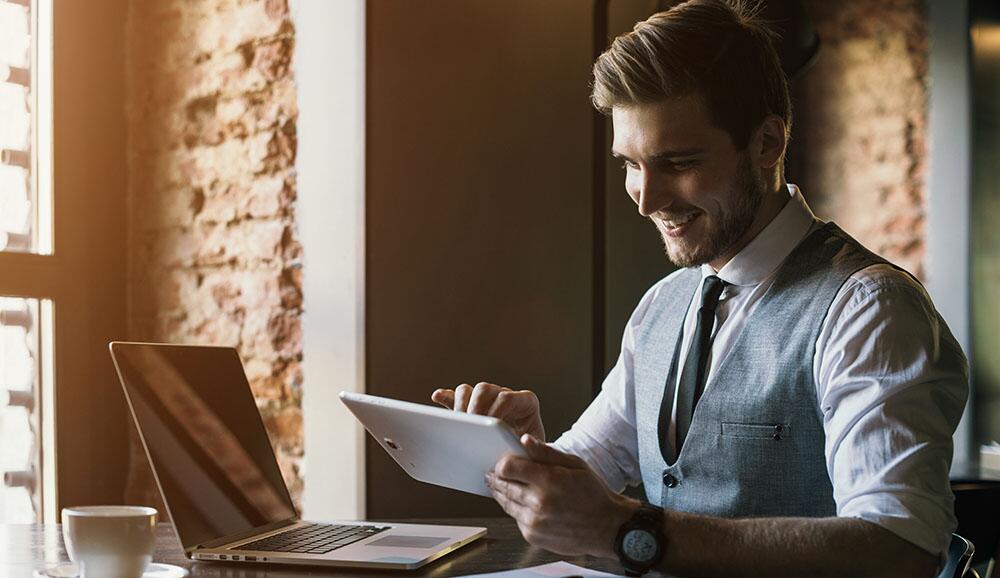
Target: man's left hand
x,y
559,503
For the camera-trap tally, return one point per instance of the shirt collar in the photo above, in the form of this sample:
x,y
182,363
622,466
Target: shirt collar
x,y
770,247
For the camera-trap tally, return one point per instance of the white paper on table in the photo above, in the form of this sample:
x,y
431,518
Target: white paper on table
x,y
552,570
989,456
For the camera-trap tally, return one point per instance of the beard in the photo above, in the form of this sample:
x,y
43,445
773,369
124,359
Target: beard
x,y
721,231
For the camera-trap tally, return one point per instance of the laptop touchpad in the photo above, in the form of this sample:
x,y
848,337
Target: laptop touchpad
x,y
404,541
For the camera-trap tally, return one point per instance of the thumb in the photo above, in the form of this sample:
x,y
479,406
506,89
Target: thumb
x,y
539,451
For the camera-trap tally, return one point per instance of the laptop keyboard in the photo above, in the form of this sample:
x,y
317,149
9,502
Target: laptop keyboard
x,y
314,538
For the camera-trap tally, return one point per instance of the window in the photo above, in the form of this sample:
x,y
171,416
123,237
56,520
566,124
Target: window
x,y
18,420
25,227
21,229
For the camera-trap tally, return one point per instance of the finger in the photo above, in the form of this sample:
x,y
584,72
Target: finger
x,y
521,469
540,451
501,494
513,509
511,403
444,397
510,490
462,394
483,396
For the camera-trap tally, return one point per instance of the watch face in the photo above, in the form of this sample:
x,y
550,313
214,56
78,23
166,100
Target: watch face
x,y
639,545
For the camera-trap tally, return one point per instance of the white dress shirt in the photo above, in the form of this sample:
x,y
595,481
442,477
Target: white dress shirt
x,y
890,394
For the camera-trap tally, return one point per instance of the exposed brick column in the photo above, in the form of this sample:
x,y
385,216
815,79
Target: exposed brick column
x,y
213,250
859,145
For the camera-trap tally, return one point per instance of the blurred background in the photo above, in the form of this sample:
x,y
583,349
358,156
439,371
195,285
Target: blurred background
x,y
391,197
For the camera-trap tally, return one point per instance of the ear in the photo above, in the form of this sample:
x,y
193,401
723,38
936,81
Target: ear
x,y
769,142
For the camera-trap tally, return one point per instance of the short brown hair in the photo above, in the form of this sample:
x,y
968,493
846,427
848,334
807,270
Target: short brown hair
x,y
718,49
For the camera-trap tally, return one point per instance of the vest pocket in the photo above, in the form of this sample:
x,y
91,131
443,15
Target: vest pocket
x,y
774,431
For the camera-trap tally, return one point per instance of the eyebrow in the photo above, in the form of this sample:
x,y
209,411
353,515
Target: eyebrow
x,y
664,155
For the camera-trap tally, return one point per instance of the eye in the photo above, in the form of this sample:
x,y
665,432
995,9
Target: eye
x,y
679,166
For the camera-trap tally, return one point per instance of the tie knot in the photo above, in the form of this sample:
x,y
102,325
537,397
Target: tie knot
x,y
711,291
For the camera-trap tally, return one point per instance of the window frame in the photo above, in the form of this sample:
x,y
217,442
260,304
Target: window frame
x,y
83,420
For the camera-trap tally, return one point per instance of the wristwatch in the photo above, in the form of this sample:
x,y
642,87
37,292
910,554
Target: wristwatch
x,y
641,541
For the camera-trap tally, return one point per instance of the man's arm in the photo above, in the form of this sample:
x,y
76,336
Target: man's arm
x,y
892,383
561,505
703,546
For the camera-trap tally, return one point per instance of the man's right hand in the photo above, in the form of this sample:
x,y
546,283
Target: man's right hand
x,y
519,409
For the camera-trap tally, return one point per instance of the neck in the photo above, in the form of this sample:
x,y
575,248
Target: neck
x,y
774,201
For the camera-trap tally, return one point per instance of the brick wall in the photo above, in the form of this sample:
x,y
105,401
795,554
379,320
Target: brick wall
x,y
859,143
213,255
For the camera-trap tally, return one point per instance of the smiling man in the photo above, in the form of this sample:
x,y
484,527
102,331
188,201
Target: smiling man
x,y
787,398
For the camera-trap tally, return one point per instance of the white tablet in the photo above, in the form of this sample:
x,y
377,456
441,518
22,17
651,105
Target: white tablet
x,y
433,444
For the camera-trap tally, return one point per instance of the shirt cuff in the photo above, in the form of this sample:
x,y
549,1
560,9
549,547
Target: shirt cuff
x,y
918,520
601,464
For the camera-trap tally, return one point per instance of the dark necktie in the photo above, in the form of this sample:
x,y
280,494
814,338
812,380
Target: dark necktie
x,y
693,375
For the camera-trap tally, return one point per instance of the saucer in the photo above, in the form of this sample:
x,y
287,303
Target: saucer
x,y
156,570
70,570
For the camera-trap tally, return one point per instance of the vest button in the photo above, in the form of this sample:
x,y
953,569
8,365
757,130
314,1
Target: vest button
x,y
669,480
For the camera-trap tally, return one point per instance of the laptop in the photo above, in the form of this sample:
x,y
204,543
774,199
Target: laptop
x,y
219,479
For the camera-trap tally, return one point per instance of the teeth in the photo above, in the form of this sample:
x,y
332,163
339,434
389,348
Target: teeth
x,y
673,224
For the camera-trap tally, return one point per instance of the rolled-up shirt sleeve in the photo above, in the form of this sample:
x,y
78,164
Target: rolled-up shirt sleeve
x,y
605,434
892,383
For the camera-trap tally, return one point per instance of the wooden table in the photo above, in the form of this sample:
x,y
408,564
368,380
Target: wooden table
x,y
26,547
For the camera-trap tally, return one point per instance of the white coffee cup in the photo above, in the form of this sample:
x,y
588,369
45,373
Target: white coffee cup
x,y
110,541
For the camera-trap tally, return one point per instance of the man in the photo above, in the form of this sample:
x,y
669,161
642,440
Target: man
x,y
787,398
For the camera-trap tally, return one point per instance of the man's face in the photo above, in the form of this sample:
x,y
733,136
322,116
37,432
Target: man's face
x,y
686,175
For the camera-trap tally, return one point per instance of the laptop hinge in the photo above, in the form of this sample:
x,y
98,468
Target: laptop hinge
x,y
259,530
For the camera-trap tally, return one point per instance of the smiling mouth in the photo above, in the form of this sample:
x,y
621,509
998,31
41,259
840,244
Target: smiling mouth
x,y
677,226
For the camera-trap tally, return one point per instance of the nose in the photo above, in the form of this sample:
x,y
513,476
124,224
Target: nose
x,y
649,193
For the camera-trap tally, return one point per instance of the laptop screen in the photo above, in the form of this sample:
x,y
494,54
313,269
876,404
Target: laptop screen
x,y
204,437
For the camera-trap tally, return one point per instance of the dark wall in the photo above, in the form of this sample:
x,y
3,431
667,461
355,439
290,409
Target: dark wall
x,y
479,214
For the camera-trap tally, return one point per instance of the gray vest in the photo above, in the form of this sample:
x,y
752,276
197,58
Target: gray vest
x,y
756,443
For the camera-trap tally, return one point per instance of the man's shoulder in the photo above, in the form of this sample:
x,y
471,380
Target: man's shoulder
x,y
885,278
861,272
686,273
882,290
681,279
666,287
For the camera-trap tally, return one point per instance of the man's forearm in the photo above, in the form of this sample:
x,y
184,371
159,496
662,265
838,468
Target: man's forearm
x,y
705,547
